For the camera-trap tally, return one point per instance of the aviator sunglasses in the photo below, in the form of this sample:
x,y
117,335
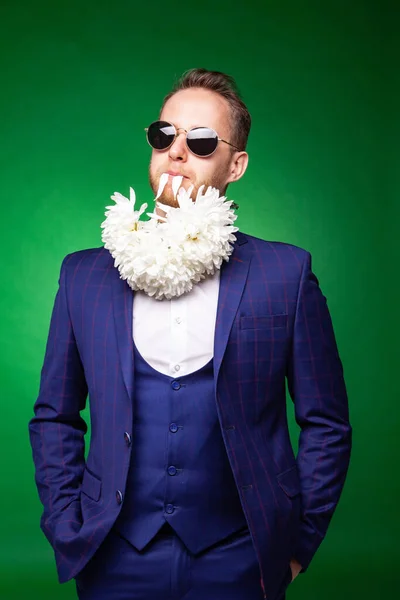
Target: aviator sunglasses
x,y
201,141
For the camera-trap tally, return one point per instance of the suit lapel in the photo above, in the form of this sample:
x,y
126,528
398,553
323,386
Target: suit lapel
x,y
123,309
232,281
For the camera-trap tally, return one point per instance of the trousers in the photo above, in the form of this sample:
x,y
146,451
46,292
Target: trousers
x,y
166,570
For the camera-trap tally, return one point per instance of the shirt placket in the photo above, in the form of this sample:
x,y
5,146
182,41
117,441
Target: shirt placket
x,y
179,334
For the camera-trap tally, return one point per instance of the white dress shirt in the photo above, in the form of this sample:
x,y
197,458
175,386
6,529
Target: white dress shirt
x,y
176,336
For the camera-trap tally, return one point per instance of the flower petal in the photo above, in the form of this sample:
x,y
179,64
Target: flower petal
x,y
162,184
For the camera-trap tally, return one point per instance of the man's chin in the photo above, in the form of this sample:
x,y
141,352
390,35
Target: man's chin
x,y
167,196
168,200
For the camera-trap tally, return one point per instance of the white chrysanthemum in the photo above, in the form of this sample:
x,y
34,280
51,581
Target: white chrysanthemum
x,y
164,257
121,222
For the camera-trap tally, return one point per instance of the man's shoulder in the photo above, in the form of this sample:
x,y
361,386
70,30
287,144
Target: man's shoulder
x,y
266,248
88,258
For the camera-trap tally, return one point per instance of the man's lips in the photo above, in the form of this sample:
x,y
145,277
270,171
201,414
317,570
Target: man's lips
x,y
173,174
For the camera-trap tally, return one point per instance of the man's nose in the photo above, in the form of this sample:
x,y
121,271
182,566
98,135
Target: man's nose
x,y
178,150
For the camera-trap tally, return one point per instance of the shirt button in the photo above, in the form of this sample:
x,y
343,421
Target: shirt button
x,y
127,438
178,320
173,427
175,385
172,470
177,367
169,509
119,496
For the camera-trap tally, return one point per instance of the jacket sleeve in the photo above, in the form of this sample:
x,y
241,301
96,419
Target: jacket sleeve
x,y
57,429
317,388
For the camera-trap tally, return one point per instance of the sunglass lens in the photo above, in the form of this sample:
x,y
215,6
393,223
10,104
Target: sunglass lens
x,y
161,134
202,141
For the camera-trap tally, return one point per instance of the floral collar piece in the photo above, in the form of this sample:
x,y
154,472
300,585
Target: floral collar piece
x,y
166,256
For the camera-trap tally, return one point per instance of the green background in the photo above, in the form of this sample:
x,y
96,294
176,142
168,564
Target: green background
x,y
79,82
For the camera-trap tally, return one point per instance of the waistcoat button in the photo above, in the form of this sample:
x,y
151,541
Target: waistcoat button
x,y
119,496
175,385
173,427
169,509
127,438
172,470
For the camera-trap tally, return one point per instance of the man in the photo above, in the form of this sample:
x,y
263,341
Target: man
x,y
191,488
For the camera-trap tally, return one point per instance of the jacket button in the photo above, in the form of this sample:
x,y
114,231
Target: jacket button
x,y
175,385
173,427
169,509
119,496
127,438
172,470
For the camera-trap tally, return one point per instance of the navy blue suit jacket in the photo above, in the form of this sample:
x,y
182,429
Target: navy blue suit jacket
x,y
272,325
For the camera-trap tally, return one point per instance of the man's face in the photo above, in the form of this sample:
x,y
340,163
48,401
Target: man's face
x,y
189,108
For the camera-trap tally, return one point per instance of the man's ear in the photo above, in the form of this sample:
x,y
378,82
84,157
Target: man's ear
x,y
239,163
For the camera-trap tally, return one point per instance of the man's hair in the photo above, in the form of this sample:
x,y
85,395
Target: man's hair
x,y
225,86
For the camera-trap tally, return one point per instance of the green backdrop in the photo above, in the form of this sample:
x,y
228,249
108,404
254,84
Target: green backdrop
x,y
79,82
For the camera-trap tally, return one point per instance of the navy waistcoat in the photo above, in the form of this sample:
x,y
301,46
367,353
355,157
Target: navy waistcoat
x,y
179,470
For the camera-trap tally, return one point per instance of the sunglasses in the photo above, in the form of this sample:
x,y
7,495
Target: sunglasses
x,y
201,141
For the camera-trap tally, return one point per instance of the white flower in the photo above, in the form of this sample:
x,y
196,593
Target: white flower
x,y
121,222
165,257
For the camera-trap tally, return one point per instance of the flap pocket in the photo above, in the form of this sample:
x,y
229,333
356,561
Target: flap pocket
x,y
263,321
289,481
91,485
